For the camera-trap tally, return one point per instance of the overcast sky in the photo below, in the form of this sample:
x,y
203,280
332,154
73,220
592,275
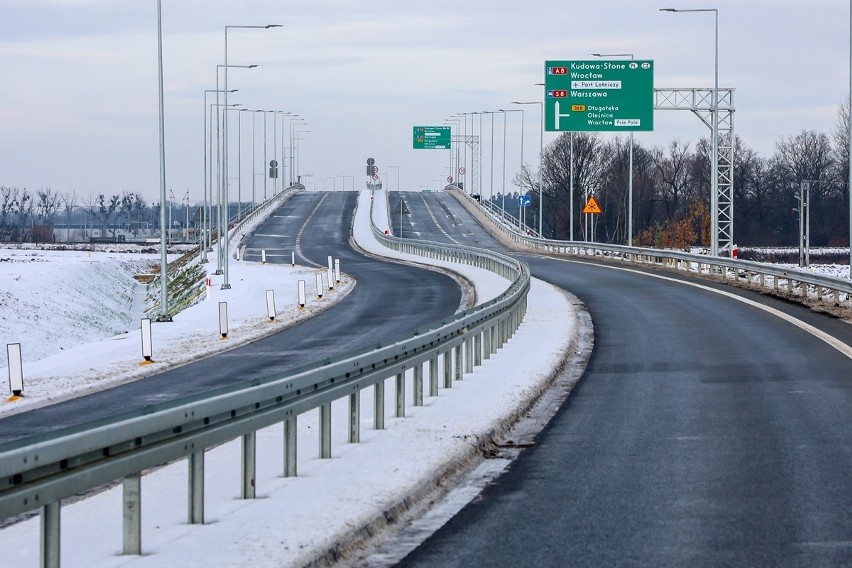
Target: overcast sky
x,y
78,103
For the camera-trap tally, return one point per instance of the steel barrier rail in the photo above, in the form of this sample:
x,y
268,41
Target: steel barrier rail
x,y
798,284
38,471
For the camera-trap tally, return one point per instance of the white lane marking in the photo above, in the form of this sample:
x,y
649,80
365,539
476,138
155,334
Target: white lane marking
x,y
818,333
435,220
302,231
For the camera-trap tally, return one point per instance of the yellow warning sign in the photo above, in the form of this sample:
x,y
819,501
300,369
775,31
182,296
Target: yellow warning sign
x,y
592,206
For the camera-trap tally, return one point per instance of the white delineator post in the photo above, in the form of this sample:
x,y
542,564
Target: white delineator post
x,y
301,294
319,285
337,270
263,256
147,345
223,319
293,259
270,305
16,369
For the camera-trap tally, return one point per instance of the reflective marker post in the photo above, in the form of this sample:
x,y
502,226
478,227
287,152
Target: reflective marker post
x,y
270,305
16,369
147,348
223,319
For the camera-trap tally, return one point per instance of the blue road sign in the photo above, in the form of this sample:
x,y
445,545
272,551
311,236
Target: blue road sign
x,y
524,201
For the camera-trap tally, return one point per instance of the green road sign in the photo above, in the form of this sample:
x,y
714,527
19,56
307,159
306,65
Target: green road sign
x,y
431,137
599,96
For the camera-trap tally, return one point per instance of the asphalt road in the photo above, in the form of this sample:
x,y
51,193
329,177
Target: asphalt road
x,y
387,301
704,432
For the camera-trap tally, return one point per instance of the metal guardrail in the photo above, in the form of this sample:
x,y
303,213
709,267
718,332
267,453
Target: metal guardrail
x,y
790,282
38,471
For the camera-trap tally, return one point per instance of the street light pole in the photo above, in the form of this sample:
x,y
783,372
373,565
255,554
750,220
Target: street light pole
x,y
226,285
714,150
164,295
540,166
849,141
397,177
521,171
298,153
630,161
457,123
294,124
491,175
205,224
503,190
220,160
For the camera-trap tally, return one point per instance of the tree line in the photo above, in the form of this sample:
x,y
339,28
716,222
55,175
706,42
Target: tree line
x,y
32,216
671,189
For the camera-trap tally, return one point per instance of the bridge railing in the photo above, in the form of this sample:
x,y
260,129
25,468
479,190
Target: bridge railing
x,y
792,283
37,472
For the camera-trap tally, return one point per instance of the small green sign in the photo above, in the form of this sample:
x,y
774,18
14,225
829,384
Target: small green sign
x,y
432,137
599,96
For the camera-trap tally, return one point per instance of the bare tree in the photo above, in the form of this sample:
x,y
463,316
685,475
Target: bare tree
x,y
47,204
69,201
674,174
103,210
8,197
806,156
24,206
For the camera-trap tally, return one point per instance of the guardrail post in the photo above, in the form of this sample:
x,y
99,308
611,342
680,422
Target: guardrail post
x,y
468,354
477,349
486,341
290,425
249,463
379,405
448,369
458,359
50,529
132,514
433,376
355,417
195,499
418,384
494,334
325,430
400,395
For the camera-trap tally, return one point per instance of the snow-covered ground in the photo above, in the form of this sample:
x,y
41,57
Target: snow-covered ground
x,y
77,317
293,519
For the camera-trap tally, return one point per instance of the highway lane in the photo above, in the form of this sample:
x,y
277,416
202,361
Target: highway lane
x,y
387,301
704,432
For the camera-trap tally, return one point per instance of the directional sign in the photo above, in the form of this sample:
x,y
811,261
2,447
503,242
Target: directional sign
x,y
599,96
432,137
592,206
524,200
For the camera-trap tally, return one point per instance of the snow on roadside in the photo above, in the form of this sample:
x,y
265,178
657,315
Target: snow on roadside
x,y
296,519
89,340
51,300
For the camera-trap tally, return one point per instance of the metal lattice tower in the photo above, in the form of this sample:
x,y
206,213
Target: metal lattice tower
x,y
472,142
700,102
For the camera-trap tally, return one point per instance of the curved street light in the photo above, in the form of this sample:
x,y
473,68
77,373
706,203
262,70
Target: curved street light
x,y
714,143
630,161
226,284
